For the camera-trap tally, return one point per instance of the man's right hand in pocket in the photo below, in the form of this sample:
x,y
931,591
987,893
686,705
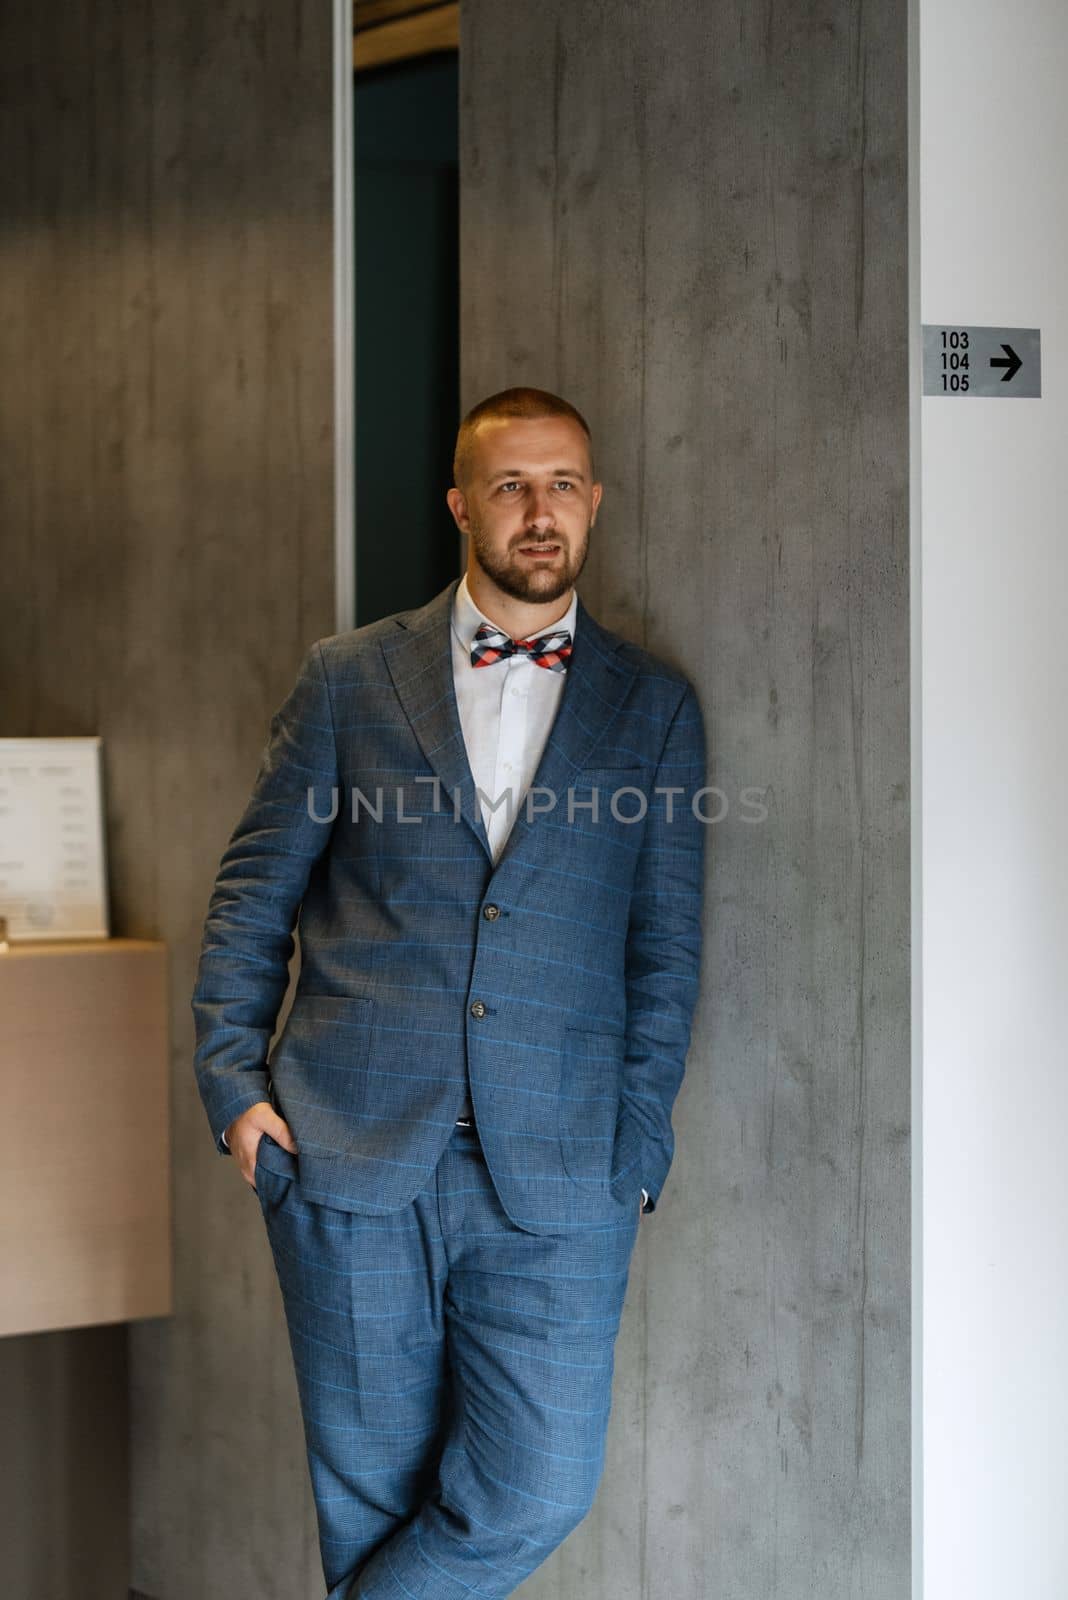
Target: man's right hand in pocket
x,y
245,1132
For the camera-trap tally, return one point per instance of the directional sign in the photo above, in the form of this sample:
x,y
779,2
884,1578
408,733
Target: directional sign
x,y
1000,363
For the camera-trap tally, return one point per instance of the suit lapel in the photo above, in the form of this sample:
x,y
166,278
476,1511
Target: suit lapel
x,y
595,686
419,658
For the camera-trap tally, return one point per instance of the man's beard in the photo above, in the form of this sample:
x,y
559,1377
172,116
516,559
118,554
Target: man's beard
x,y
528,582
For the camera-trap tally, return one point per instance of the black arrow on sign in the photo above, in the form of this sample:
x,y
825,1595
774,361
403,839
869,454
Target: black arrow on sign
x,y
1010,360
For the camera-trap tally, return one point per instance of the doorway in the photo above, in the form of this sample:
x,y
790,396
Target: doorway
x,y
407,380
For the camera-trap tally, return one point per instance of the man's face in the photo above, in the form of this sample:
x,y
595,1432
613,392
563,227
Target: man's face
x,y
528,505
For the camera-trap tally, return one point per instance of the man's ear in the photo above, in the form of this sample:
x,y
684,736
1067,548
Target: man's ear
x,y
596,491
458,506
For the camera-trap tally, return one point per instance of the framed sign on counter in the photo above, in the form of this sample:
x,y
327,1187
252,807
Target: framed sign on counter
x,y
53,868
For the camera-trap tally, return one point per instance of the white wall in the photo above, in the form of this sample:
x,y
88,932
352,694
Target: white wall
x,y
992,924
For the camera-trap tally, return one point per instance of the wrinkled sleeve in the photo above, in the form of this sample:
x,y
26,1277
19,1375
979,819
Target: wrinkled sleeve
x,y
663,953
243,971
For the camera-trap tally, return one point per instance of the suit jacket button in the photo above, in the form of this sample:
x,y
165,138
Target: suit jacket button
x,y
478,1009
489,912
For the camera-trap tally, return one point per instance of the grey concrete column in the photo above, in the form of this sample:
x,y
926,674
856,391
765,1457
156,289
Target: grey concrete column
x,y
690,219
166,501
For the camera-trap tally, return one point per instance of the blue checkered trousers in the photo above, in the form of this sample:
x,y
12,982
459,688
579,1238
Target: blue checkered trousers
x,y
453,1289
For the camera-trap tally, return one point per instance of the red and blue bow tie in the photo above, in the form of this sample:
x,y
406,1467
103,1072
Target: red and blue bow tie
x,y
552,650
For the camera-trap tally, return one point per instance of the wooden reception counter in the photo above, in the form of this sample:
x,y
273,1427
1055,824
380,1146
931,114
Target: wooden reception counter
x,y
85,1191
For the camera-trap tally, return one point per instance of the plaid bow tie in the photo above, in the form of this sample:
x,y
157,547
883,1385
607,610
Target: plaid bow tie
x,y
552,650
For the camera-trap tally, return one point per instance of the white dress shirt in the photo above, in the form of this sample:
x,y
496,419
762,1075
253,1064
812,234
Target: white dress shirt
x,y
506,712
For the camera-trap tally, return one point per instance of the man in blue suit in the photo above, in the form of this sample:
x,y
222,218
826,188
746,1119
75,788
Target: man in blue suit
x,y
483,815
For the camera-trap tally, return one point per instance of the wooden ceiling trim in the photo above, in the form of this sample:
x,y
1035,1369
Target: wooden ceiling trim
x,y
369,13
418,33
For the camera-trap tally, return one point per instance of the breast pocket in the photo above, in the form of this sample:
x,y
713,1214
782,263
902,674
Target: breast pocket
x,y
319,1070
618,788
591,1083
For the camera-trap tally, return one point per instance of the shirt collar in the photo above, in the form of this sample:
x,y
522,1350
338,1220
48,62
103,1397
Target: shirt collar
x,y
467,618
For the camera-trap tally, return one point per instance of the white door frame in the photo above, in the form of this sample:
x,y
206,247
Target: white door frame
x,y
344,326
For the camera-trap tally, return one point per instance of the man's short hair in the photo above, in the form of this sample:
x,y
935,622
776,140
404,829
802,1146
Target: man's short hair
x,y
527,403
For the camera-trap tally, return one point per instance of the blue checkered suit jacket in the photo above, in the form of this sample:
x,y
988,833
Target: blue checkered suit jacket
x,y
561,980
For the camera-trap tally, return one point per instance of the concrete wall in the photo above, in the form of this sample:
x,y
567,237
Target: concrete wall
x,y
64,1463
166,500
993,243
691,219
